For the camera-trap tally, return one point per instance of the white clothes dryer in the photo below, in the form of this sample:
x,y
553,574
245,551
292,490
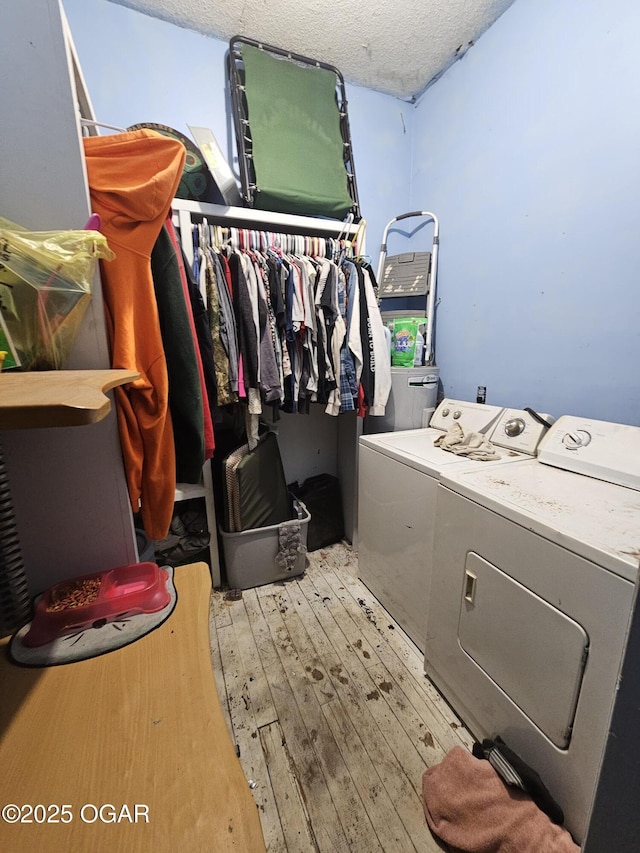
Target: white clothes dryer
x,y
533,576
397,477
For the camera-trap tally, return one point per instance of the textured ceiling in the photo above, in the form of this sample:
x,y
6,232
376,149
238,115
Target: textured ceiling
x,y
397,48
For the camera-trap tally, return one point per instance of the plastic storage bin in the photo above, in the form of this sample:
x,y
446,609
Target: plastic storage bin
x,y
250,556
413,389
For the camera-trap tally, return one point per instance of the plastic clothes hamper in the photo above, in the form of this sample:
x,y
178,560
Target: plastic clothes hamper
x,y
251,556
413,397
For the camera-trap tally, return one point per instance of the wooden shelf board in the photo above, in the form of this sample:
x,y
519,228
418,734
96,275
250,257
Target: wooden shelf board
x,y
57,398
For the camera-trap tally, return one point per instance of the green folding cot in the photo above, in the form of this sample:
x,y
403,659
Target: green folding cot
x,y
292,132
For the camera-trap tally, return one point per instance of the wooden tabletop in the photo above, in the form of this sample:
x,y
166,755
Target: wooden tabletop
x,y
57,398
140,728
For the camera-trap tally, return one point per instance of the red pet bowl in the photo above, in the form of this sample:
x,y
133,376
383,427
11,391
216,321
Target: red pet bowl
x,y
93,600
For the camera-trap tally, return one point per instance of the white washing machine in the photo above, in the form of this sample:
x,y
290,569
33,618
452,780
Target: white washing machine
x,y
397,477
534,568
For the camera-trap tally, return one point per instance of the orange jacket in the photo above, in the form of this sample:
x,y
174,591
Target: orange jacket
x,y
133,178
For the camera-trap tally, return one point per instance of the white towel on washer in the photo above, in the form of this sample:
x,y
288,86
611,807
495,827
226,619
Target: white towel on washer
x,y
473,445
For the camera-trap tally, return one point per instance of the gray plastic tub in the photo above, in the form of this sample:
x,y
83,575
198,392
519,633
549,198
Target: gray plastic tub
x,y
250,556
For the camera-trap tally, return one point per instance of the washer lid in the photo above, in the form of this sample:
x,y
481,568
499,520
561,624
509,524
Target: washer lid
x,y
598,520
415,448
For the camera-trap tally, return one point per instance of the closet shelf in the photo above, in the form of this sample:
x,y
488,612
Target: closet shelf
x,y
57,398
249,217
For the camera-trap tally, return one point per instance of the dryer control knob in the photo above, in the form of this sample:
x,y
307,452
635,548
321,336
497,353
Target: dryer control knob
x,y
576,439
514,427
445,412
457,414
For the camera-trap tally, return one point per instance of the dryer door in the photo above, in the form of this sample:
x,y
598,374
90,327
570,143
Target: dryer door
x,y
534,653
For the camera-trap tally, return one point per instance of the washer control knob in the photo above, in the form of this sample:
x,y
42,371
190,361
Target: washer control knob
x,y
457,414
445,412
576,439
514,427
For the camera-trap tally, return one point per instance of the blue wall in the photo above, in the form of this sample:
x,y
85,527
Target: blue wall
x,y
529,150
140,69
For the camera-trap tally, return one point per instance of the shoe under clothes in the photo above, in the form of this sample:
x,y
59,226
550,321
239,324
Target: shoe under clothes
x,y
187,536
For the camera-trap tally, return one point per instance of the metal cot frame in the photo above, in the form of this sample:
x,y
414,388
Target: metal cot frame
x,y
242,124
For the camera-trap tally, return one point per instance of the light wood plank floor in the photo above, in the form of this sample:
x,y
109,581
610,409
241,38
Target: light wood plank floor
x,y
333,717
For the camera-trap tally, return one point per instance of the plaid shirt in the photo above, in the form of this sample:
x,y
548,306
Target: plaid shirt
x,y
348,381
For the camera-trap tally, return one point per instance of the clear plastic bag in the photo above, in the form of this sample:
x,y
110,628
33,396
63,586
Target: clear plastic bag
x,y
45,288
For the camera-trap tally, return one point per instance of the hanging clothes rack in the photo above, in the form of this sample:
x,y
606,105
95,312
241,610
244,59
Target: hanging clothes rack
x,y
307,230
323,278
293,244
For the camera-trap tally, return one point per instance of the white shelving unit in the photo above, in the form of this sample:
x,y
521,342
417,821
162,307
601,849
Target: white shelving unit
x,y
68,484
186,491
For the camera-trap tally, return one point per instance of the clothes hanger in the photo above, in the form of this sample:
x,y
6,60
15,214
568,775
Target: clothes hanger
x,y
220,236
358,239
345,226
